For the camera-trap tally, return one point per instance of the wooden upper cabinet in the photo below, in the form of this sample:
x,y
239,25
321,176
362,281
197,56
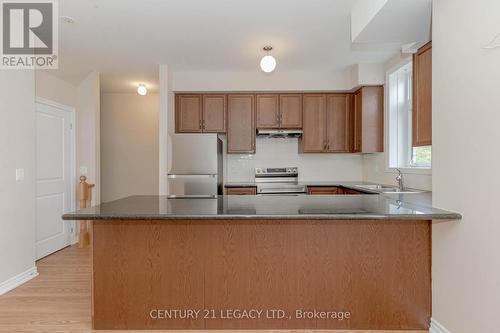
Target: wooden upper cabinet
x,y
291,111
268,115
313,117
279,111
188,113
196,113
368,120
240,123
357,123
214,113
422,96
337,123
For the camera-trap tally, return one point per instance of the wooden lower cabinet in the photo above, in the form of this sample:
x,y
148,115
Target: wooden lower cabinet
x,y
326,190
377,270
241,124
241,191
330,190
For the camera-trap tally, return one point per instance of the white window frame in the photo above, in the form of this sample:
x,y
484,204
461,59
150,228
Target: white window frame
x,y
419,170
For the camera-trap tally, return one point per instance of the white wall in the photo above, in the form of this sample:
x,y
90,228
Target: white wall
x,y
375,165
256,80
367,74
129,145
284,152
17,150
54,89
466,99
88,131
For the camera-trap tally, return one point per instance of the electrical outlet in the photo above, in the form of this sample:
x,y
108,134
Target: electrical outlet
x,y
19,175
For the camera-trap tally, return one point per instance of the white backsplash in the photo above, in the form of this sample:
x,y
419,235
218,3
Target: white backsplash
x,y
279,152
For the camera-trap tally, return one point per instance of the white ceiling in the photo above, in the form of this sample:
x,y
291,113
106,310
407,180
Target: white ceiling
x,y
125,40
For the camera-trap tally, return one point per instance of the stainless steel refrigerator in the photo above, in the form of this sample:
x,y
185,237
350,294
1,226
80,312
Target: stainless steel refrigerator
x,y
196,168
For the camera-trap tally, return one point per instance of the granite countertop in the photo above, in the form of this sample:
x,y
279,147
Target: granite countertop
x,y
325,207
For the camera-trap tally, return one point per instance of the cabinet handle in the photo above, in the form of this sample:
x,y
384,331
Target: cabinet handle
x,y
200,125
203,123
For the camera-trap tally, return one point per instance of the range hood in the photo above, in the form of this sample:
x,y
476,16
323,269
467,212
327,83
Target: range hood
x,y
279,133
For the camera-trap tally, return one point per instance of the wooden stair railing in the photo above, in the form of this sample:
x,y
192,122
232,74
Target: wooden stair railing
x,y
85,195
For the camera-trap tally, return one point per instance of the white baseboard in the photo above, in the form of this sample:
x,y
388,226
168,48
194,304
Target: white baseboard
x,y
437,327
17,280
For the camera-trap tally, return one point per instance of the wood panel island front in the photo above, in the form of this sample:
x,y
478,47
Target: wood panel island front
x,y
233,262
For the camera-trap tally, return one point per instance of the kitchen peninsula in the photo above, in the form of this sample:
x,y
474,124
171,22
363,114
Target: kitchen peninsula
x,y
293,262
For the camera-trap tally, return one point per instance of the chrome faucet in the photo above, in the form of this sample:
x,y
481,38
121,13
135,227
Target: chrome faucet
x,y
399,179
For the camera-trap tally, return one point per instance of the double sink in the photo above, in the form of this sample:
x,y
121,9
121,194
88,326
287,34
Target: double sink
x,y
386,189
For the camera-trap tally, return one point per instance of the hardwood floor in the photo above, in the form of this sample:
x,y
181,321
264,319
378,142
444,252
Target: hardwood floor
x,y
58,300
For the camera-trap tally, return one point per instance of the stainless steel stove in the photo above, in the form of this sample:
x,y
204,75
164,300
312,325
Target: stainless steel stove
x,y
278,181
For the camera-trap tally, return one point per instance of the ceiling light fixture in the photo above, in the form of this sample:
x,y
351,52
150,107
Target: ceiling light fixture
x,y
142,90
268,63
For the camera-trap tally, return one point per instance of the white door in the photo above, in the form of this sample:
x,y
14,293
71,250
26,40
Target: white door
x,y
54,177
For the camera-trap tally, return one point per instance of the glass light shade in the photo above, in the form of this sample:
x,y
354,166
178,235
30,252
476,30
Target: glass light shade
x,y
268,63
141,90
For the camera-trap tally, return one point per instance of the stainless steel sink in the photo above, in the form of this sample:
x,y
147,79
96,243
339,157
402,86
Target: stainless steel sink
x,y
386,189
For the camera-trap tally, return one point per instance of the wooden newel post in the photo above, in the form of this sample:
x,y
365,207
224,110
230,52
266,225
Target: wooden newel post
x,y
85,196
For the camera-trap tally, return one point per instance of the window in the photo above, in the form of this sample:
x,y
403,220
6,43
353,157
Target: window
x,y
401,152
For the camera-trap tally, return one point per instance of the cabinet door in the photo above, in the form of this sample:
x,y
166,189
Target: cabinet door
x,y
357,122
240,123
322,190
422,96
291,111
214,113
372,119
314,118
337,123
267,111
188,113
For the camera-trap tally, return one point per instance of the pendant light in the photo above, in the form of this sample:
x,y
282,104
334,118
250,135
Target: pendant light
x,y
268,63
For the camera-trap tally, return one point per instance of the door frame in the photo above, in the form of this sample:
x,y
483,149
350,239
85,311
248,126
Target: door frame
x,y
72,112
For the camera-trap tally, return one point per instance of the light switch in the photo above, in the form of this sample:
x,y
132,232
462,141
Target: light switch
x,y
19,175
83,170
